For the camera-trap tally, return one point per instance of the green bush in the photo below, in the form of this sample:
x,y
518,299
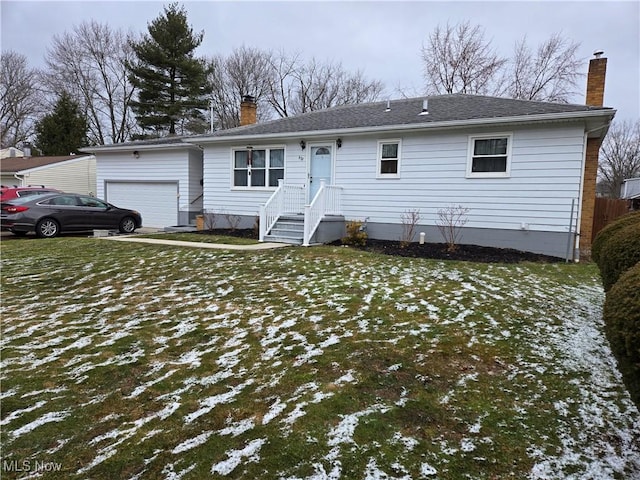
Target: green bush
x,y
356,235
610,230
622,326
619,253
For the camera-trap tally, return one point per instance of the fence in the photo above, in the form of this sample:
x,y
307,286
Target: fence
x,y
606,210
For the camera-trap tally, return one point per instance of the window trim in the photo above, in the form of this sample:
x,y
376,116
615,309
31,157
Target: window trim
x,y
470,156
267,169
379,174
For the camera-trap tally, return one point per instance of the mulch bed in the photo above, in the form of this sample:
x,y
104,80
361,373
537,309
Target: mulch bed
x,y
238,232
438,251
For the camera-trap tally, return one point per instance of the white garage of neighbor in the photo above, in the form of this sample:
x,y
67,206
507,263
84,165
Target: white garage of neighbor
x,y
162,179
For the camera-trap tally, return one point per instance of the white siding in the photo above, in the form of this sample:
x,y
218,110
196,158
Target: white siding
x,y
74,176
220,197
179,165
193,202
546,167
9,180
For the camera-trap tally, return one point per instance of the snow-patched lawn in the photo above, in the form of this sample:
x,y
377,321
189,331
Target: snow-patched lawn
x,y
143,361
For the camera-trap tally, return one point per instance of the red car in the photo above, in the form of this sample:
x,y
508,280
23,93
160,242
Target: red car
x,y
9,193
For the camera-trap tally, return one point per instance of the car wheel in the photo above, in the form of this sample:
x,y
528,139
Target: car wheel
x,y
18,233
127,225
47,228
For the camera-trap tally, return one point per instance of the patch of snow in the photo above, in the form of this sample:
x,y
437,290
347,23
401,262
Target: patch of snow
x,y
276,409
427,470
192,443
467,445
210,403
44,419
250,452
170,474
237,428
343,432
18,413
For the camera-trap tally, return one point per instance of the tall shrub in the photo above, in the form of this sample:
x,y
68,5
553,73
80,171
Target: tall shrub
x,y
622,326
610,230
620,252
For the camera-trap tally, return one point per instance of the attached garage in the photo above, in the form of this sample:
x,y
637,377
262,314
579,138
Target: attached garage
x,y
162,179
157,202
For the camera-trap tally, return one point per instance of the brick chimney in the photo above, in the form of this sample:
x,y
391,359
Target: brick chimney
x,y
595,80
595,98
248,109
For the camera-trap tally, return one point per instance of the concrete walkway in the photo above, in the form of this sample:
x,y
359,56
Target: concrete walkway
x,y
213,246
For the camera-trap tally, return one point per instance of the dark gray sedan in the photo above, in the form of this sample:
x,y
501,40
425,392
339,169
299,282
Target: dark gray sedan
x,y
49,215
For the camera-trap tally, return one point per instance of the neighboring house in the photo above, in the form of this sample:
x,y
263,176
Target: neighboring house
x,y
162,179
631,191
525,170
10,152
69,173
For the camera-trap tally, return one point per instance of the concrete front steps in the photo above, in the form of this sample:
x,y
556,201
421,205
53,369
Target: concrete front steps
x,y
288,229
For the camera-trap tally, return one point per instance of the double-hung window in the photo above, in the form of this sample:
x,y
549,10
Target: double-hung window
x,y
388,159
258,167
489,156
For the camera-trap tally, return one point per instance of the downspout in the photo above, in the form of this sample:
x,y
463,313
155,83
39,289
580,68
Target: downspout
x,y
20,179
576,243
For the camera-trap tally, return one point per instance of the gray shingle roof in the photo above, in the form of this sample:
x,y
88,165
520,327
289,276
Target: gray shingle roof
x,y
441,108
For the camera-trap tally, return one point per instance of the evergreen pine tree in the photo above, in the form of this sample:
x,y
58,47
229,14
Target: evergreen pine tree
x,y
172,84
63,131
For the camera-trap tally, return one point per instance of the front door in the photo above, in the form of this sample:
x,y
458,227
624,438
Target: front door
x,y
320,168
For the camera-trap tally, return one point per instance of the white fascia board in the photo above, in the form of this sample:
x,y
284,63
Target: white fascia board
x,y
80,158
604,115
129,148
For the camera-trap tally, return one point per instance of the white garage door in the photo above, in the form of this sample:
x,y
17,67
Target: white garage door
x,y
156,202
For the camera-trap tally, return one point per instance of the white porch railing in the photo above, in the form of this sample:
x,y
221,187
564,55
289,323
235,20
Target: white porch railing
x,y
289,199
326,202
286,199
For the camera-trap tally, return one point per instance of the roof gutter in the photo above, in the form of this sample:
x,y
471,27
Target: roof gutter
x,y
132,147
520,119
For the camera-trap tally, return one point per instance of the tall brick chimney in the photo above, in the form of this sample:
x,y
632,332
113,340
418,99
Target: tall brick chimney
x,y
595,98
248,110
595,80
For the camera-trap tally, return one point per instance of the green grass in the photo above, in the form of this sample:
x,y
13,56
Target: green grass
x,y
201,238
125,360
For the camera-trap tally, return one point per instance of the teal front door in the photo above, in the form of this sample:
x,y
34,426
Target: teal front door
x,y
320,168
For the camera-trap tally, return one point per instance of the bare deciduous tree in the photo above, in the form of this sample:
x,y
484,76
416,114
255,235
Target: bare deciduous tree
x,y
305,87
282,85
549,74
20,99
247,71
90,64
458,59
619,156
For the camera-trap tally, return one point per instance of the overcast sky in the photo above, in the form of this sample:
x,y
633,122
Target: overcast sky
x,y
383,39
